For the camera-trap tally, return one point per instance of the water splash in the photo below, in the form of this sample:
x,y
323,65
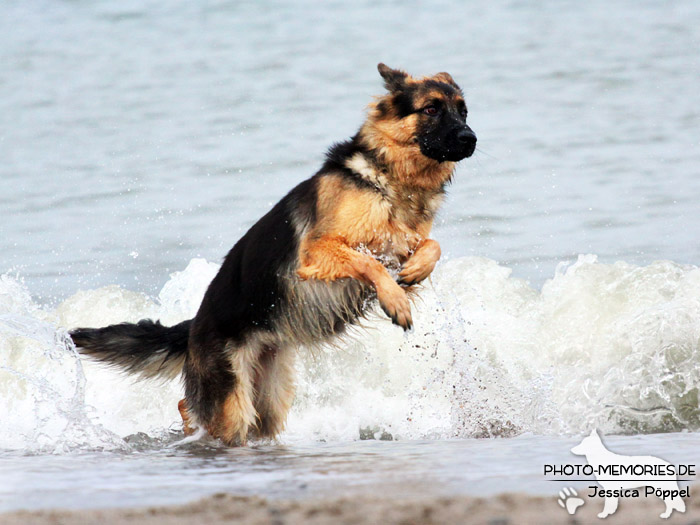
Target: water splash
x,y
615,346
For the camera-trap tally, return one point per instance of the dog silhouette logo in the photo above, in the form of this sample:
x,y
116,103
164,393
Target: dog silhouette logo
x,y
617,474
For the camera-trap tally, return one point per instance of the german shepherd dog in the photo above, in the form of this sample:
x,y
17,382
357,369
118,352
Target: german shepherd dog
x,y
310,267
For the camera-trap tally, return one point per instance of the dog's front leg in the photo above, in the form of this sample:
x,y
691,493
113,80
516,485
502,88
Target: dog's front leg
x,y
330,258
421,264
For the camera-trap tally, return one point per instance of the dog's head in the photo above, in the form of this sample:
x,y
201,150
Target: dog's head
x,y
428,112
588,445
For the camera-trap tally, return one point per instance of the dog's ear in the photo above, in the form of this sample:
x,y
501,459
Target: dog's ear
x,y
594,433
446,78
394,79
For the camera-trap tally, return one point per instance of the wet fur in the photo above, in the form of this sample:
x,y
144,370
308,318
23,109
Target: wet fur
x,y
313,265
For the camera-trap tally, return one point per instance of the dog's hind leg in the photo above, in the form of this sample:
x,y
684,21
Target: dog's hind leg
x,y
675,503
186,419
237,416
274,387
609,507
219,389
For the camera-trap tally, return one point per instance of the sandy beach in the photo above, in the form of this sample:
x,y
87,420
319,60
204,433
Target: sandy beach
x,y
504,509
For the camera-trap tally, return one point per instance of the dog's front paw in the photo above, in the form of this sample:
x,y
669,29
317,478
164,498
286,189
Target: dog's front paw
x,y
395,304
421,264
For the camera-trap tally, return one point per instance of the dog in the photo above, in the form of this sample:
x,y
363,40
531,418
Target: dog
x,y
312,266
605,464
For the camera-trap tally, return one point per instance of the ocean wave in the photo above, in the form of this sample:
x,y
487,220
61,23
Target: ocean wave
x,y
613,346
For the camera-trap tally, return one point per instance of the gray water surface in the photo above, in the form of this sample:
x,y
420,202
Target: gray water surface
x,y
137,135
399,469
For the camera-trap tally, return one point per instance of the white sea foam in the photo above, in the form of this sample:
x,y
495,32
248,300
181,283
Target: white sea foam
x,y
613,346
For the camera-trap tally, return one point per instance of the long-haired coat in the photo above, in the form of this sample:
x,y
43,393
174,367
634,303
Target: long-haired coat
x,y
314,264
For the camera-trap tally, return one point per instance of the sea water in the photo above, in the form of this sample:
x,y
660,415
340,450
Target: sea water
x,y
612,347
139,141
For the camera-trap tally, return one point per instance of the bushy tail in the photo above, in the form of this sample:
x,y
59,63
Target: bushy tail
x,y
146,348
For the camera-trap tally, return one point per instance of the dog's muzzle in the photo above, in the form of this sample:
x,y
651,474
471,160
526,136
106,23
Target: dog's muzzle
x,y
467,140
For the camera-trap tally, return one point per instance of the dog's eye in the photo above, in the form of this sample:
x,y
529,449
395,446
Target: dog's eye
x,y
430,110
463,112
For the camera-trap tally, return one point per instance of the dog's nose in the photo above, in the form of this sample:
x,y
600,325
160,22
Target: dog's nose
x,y
467,137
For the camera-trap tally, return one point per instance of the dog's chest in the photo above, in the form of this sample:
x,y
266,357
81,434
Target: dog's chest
x,y
393,228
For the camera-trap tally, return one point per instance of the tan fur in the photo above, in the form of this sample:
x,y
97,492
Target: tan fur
x,y
395,142
187,426
274,388
330,258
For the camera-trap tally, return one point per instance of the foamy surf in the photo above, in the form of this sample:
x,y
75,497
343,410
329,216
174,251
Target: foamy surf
x,y
615,346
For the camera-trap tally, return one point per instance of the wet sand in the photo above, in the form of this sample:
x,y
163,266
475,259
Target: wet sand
x,y
504,509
